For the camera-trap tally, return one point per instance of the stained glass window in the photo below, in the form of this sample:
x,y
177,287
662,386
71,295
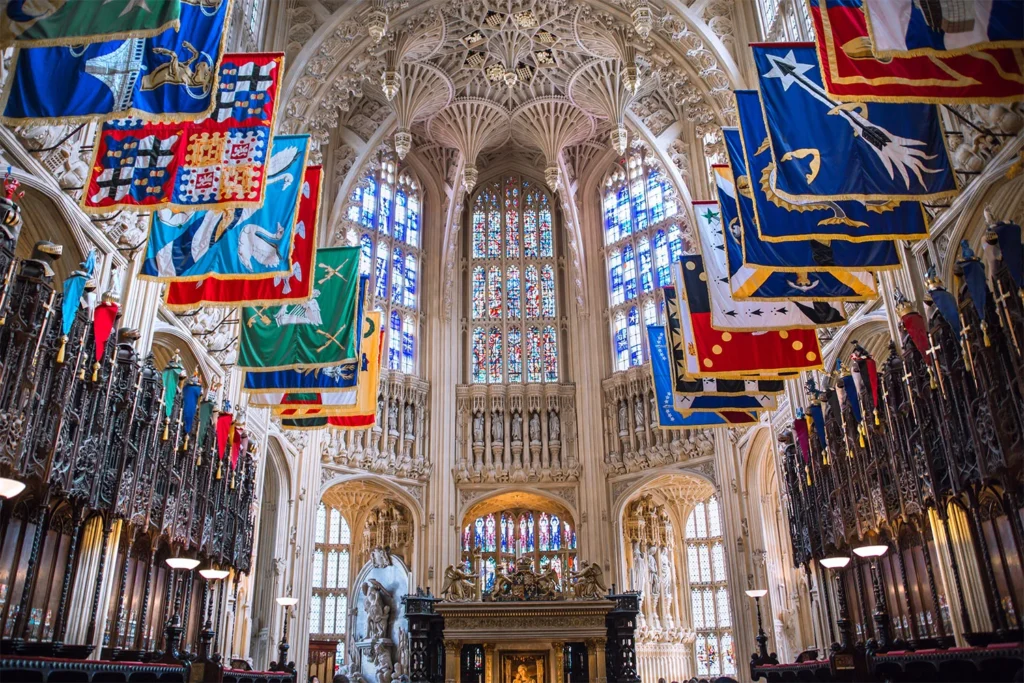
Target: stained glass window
x,y
512,281
386,207
709,590
643,236
546,537
330,574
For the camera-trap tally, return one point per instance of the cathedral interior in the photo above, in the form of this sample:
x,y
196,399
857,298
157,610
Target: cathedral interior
x,y
520,178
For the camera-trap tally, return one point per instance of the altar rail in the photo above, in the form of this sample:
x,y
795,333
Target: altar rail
x,y
115,484
54,670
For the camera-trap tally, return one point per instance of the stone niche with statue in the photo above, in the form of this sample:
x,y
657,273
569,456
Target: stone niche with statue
x,y
527,625
380,636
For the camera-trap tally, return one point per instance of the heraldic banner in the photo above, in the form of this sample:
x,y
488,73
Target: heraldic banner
x,y
295,286
167,77
853,73
880,152
218,162
729,314
668,416
238,243
29,23
900,27
319,333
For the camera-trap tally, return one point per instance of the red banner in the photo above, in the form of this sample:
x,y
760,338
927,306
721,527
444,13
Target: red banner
x,y
851,72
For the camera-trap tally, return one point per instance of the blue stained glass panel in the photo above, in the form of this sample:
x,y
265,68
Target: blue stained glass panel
x,y
380,289
401,214
479,540
514,293
550,353
529,531
412,237
494,299
411,274
384,213
639,205
531,246
397,277
615,278
533,355
478,361
490,530
479,285
661,262
369,203
547,291
556,533
643,251
515,354
479,229
494,355
635,351
532,294
365,254
544,536
655,197
408,346
512,217
621,343
629,272
493,224
395,341
622,215
611,227
547,240
675,244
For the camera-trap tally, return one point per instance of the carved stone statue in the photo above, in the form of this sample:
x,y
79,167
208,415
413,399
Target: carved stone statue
x,y
478,428
534,427
639,568
393,415
407,418
554,427
459,586
588,583
517,426
377,609
547,585
383,661
497,427
623,417
653,570
667,582
638,413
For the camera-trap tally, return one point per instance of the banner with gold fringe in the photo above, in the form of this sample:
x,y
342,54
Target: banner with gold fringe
x,y
29,23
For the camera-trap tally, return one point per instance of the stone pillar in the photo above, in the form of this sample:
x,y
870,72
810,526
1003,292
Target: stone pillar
x,y
490,664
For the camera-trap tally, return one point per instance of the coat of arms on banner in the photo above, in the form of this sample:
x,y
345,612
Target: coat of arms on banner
x,y
218,162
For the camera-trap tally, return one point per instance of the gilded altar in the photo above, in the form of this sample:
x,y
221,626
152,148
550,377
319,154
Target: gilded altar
x,y
531,635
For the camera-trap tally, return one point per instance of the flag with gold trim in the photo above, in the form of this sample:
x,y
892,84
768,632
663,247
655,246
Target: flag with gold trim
x,y
668,416
323,332
834,150
722,353
219,162
31,23
296,285
853,70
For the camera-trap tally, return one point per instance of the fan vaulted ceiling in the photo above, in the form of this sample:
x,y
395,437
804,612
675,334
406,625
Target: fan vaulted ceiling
x,y
468,76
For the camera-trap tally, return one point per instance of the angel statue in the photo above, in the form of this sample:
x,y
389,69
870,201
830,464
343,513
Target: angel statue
x,y
588,583
459,586
377,609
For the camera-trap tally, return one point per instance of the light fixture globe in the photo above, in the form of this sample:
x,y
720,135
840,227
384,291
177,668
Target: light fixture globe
x,y
759,593
287,602
213,574
871,550
185,563
835,562
9,488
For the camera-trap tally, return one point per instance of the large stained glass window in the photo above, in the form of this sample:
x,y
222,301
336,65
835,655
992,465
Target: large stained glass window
x,y
331,554
714,650
642,239
387,207
512,273
494,540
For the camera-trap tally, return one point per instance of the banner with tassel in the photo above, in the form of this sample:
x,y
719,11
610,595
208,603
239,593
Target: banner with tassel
x,y
190,395
205,418
225,423
816,416
172,376
74,288
103,319
974,276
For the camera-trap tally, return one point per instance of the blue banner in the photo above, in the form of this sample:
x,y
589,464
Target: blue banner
x,y
668,416
852,221
790,271
824,148
169,76
241,243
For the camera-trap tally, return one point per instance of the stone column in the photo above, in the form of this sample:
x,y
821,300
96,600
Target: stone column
x,y
490,663
557,661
